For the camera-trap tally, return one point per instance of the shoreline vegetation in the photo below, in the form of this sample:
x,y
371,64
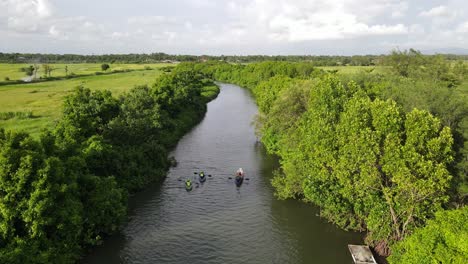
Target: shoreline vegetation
x,y
66,190
381,145
382,153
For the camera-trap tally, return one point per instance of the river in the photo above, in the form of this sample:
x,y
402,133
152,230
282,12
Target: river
x,y
218,222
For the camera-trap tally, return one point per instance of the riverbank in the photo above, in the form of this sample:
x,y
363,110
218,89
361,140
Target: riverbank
x,y
334,134
217,220
80,172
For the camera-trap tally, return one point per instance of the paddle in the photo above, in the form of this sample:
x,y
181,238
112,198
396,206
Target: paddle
x,y
247,179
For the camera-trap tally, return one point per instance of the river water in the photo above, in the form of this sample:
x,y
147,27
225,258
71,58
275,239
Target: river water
x,y
218,222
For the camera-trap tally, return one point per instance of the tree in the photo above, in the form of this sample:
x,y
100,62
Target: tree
x,y
47,69
443,240
86,113
40,215
105,66
364,162
28,70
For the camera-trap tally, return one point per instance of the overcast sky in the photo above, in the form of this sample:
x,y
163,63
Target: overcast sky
x,y
231,26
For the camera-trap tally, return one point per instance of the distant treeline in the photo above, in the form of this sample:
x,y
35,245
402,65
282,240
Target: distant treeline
x,y
384,153
357,60
64,191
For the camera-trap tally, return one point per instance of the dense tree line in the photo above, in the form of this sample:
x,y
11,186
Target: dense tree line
x,y
359,147
316,60
63,192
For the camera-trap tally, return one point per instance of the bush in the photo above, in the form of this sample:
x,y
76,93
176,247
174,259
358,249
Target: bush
x,y
105,66
7,79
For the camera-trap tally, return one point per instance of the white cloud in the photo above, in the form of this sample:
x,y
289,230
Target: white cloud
x,y
28,8
26,15
315,20
438,12
232,26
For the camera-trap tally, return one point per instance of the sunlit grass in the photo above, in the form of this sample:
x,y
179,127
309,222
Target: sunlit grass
x,y
355,69
45,99
12,70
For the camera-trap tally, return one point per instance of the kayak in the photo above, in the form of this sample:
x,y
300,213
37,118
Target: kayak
x,y
202,177
239,179
188,185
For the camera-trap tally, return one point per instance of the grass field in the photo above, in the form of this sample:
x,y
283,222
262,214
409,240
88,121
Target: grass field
x,y
45,99
354,69
12,71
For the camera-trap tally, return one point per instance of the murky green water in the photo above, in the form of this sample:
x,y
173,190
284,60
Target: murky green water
x,y
218,222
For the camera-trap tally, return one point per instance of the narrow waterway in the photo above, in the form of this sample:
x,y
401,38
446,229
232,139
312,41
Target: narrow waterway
x,y
218,222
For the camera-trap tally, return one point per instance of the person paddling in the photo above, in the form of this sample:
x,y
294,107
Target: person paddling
x,y
240,172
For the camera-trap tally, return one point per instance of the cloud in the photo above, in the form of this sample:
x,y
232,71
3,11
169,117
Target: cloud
x,y
26,15
28,8
316,20
231,26
438,12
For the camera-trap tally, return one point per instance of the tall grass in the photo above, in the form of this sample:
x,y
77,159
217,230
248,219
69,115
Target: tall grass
x,y
17,115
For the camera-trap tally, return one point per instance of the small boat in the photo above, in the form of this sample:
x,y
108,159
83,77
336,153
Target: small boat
x,y
188,185
239,177
239,180
202,177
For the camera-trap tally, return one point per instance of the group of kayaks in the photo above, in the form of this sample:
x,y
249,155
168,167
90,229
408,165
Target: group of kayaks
x,y
238,179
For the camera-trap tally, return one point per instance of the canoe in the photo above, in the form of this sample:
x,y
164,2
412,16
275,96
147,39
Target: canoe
x,y
239,179
202,177
188,185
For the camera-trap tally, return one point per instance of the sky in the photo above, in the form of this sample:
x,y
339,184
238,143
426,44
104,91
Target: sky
x,y
231,27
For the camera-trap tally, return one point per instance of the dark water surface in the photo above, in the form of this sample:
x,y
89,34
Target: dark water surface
x,y
218,222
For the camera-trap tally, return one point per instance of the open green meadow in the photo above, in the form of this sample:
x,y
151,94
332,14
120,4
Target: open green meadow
x,y
36,106
13,71
354,69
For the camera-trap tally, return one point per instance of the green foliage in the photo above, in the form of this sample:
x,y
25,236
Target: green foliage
x,y
29,71
86,113
368,163
443,240
435,68
68,190
40,210
105,66
47,70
